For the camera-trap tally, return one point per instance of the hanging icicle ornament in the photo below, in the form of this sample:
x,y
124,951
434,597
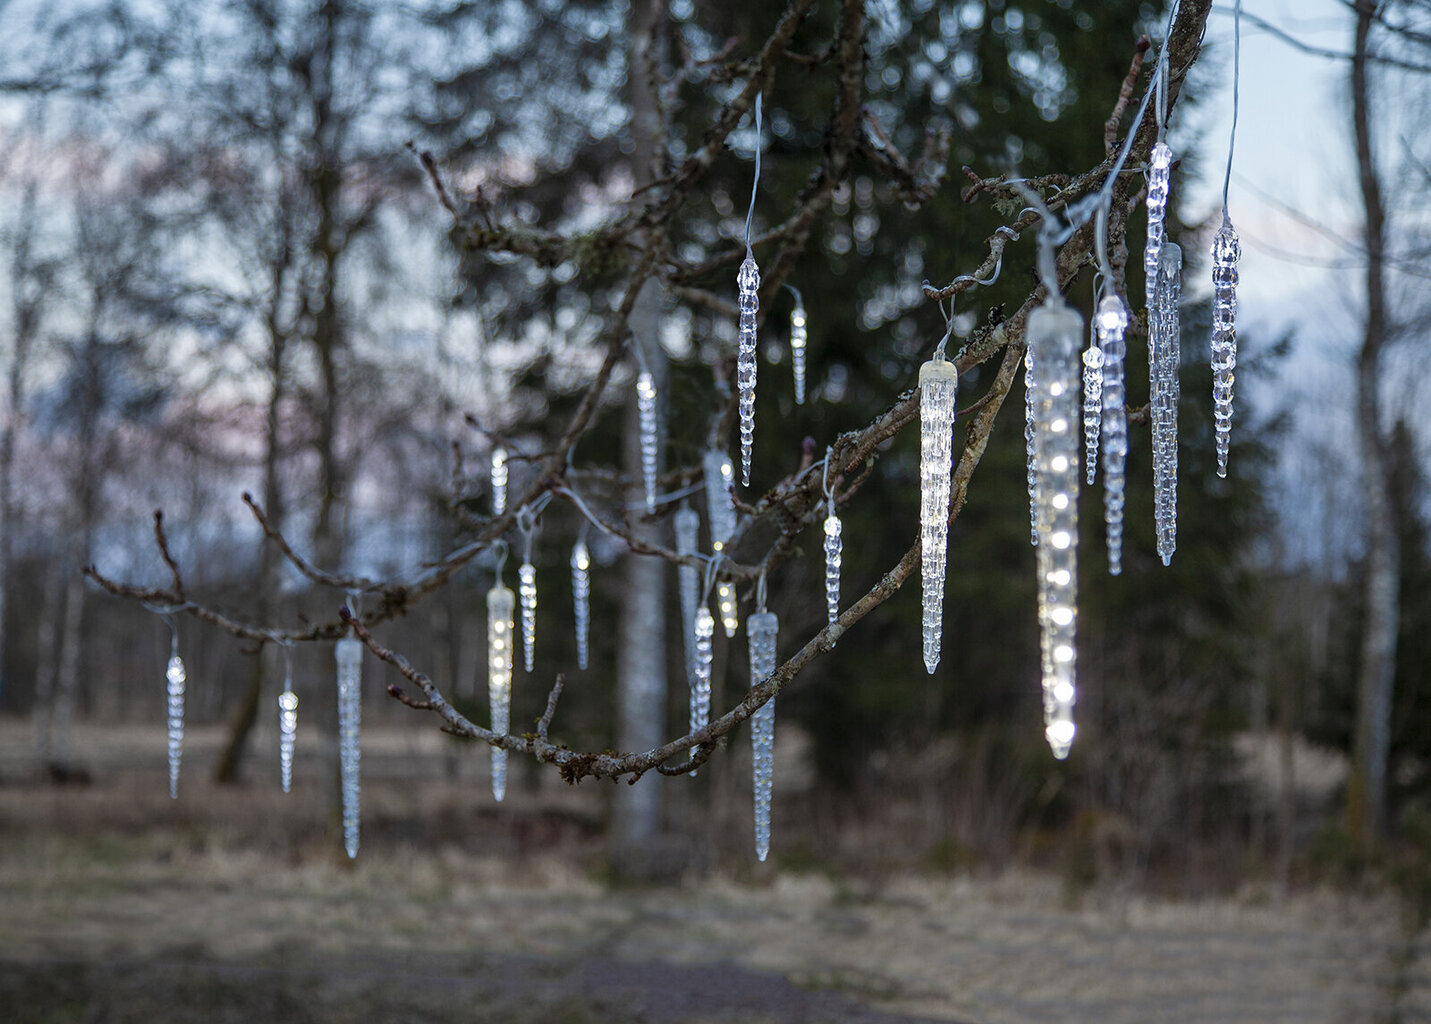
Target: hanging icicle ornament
x,y
175,678
1164,361
348,652
1032,469
687,524
287,722
1160,164
647,426
1054,333
1112,321
501,607
1092,404
1226,253
762,629
499,480
748,283
729,607
581,600
720,502
938,384
833,550
527,588
701,679
799,335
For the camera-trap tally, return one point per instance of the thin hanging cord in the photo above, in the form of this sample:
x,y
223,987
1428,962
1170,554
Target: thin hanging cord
x,y
760,592
1161,110
948,330
1236,72
829,492
750,214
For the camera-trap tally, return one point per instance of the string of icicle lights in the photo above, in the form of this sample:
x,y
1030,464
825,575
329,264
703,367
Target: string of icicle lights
x,y
1059,374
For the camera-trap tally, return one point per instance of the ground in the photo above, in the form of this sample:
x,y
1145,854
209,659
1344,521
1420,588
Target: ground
x,y
234,904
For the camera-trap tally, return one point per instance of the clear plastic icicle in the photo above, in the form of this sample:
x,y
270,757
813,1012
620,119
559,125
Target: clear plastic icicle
x,y
1092,406
348,652
1054,332
1226,251
762,629
719,478
175,678
799,335
833,545
527,587
1029,392
748,280
501,606
1160,165
499,480
581,600
650,441
1164,361
938,383
287,723
687,524
729,607
701,679
1112,324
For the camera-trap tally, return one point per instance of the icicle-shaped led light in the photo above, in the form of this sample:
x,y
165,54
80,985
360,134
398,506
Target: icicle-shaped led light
x,y
1029,392
729,607
1092,407
1226,252
748,280
175,678
1164,361
501,605
938,383
720,477
349,654
762,628
833,552
701,679
687,525
1112,322
1054,333
1160,169
287,735
650,443
499,480
581,600
527,587
798,336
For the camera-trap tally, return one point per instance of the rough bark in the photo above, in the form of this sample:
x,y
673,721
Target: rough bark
x,y
1366,794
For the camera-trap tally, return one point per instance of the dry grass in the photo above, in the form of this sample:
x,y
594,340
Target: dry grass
x,y
233,904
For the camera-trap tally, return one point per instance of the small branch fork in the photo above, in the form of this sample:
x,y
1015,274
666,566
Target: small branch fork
x,y
795,502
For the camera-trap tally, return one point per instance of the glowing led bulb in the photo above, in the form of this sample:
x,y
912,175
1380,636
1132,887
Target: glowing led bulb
x,y
175,678
348,652
687,524
719,478
501,605
729,608
1160,164
748,280
1164,362
581,600
527,587
938,383
798,337
499,481
650,442
1112,322
1226,251
833,545
287,735
762,629
1054,333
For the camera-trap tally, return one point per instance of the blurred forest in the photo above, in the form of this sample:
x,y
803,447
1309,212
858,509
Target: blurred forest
x,y
226,269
